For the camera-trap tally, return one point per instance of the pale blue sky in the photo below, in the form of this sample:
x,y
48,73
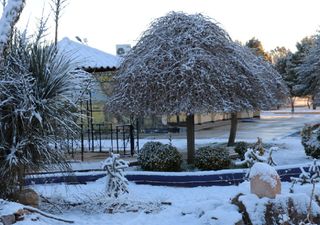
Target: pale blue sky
x,y
106,23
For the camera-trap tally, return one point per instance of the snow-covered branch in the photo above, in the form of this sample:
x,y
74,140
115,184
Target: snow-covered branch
x,y
187,63
9,18
116,183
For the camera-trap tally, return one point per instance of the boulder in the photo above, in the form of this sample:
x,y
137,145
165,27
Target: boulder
x,y
264,181
7,219
27,197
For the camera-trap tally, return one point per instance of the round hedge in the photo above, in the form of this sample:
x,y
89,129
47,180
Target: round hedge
x,y
155,156
241,148
212,158
310,139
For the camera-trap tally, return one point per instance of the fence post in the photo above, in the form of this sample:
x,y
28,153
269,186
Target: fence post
x,y
131,140
138,130
91,122
111,136
124,140
82,141
99,125
117,136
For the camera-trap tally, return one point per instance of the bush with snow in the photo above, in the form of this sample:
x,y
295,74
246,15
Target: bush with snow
x,y
241,148
117,183
155,156
212,158
310,139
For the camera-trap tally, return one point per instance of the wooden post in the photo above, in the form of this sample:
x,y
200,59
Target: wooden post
x,y
233,129
190,138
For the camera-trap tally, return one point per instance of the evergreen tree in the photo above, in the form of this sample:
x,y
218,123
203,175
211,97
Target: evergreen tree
x,y
256,46
278,53
309,69
289,77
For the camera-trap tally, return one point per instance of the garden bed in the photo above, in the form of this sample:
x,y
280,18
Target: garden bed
x,y
176,179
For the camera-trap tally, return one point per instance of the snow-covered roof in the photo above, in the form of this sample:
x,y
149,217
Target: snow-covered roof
x,y
91,59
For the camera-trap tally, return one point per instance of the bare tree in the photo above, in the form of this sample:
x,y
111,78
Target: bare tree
x,y
57,6
188,64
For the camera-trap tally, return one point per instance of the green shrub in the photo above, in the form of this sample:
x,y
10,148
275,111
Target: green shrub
x,y
212,158
241,148
155,156
310,139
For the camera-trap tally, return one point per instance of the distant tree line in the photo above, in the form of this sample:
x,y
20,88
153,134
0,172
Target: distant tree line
x,y
300,69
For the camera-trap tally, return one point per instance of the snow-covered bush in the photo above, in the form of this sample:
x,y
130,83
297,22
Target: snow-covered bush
x,y
117,183
310,177
212,158
37,109
252,156
310,139
155,156
241,148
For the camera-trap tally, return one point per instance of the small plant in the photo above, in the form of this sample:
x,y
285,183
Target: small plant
x,y
310,139
258,147
117,183
253,155
241,148
212,158
310,177
155,156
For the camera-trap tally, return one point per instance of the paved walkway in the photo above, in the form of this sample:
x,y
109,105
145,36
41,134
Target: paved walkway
x,y
271,125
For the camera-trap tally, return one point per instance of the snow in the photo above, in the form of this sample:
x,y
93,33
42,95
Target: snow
x,y
7,208
9,16
88,57
266,172
146,205
189,206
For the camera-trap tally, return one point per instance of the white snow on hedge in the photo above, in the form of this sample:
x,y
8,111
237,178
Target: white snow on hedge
x,y
266,172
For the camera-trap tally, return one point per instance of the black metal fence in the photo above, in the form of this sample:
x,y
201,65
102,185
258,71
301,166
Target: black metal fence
x,y
105,137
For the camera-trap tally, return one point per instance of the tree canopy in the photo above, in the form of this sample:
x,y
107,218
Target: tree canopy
x,y
309,67
187,63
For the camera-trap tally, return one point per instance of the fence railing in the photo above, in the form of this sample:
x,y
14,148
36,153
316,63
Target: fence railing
x,y
104,137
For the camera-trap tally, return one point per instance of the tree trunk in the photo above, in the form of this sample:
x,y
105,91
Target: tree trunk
x,y
190,138
292,104
233,129
313,105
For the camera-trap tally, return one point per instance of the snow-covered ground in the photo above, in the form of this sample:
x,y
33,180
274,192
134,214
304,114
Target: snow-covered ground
x,y
145,205
155,205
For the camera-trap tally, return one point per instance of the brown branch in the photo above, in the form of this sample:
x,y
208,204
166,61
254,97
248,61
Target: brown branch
x,y
34,210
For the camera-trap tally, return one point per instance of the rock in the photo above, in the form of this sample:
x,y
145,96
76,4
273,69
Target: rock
x,y
27,197
264,181
7,220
